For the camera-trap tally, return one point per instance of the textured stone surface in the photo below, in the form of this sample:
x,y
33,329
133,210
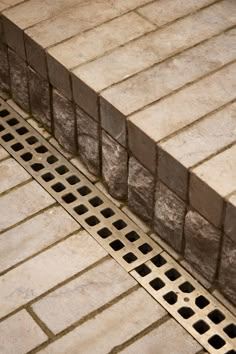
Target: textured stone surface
x,y
112,327
202,244
169,216
140,190
64,122
114,167
4,69
19,80
20,334
83,295
11,174
40,99
230,217
88,141
227,275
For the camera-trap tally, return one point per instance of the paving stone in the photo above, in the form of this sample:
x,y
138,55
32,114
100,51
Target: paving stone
x,y
227,274
202,244
88,141
83,295
4,69
112,327
82,168
151,125
20,334
193,145
37,126
169,216
3,153
114,167
19,80
64,122
140,190
48,269
16,108
68,55
90,79
40,99
230,217
22,203
128,96
211,182
34,235
169,337
11,174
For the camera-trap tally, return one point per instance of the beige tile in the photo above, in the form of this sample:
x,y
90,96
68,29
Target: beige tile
x,y
83,295
230,217
91,78
146,87
20,334
11,174
193,145
111,327
47,270
163,118
108,36
211,182
3,153
33,235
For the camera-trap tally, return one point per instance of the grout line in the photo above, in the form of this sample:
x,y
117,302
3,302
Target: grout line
x,y
39,322
17,186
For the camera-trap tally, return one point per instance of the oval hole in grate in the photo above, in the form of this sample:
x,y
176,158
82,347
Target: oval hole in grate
x,y
58,187
216,316
130,257
62,169
52,159
132,236
157,284
186,312
92,220
27,156
37,166
73,180
41,149
201,302
104,232
22,131
119,224
143,270
216,341
116,245
171,298
172,274
1,128
107,213
4,113
12,122
81,209
7,137
95,202
230,330
145,248
158,261
69,198
31,140
186,287
84,191
17,147
47,177
201,327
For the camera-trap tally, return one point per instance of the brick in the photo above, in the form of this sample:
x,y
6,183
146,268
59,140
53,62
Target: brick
x,y
111,327
11,174
169,216
202,244
90,79
211,182
194,144
127,97
163,118
20,334
140,190
169,337
83,295
4,69
67,55
48,269
227,273
19,80
88,141
40,99
230,217
64,122
114,167
3,153
34,235
22,203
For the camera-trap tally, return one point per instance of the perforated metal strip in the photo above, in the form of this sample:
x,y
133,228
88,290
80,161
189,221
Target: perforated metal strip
x,y
185,299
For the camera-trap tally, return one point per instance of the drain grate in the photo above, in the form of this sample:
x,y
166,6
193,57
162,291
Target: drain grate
x,y
184,298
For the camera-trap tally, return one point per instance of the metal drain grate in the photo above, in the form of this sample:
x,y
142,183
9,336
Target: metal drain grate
x,y
188,302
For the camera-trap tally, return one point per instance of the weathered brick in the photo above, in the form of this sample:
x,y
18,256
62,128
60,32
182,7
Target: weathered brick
x,y
11,174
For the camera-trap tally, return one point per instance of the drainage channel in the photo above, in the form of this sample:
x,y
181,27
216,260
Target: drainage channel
x,y
213,326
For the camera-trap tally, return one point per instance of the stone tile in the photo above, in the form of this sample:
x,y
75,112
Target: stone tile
x,y
22,203
151,125
83,169
211,182
18,110
230,217
108,36
169,337
140,190
4,69
103,189
128,96
34,235
83,295
56,145
169,214
39,90
114,167
3,153
193,145
227,274
20,334
161,243
88,141
64,122
164,11
112,327
202,244
141,224
90,79
47,270
37,126
19,80
11,174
